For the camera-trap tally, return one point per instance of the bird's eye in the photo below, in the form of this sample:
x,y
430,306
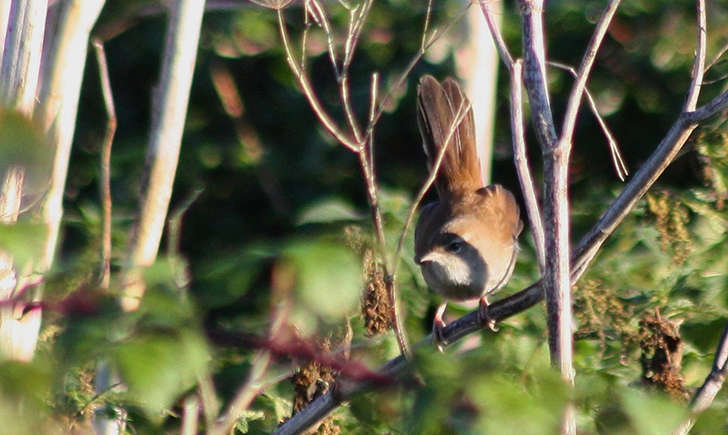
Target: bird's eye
x,y
454,246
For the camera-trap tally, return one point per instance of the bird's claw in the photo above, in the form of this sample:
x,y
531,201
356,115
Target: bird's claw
x,y
438,338
484,316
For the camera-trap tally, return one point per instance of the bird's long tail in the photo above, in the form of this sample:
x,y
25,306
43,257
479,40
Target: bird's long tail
x,y
439,107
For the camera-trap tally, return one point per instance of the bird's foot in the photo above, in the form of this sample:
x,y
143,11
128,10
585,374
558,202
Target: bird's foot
x,y
438,325
438,339
484,316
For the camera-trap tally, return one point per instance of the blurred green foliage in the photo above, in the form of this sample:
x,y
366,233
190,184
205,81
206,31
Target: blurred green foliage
x,y
283,226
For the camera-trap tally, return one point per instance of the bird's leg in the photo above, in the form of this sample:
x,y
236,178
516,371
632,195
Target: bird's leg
x,y
437,326
484,316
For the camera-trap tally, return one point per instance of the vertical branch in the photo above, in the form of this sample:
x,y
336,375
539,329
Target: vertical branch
x,y
21,57
699,64
105,179
521,161
58,106
556,206
105,374
168,117
190,415
4,17
515,70
534,72
16,342
24,20
366,161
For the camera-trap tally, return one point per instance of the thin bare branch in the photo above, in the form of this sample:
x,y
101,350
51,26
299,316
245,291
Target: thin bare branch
x,y
318,13
717,57
357,19
668,149
254,383
373,98
523,170
426,26
385,101
105,178
619,166
500,44
710,388
209,402
577,91
308,91
699,64
245,394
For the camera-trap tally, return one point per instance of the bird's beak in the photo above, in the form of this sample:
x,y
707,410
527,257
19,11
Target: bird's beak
x,y
430,256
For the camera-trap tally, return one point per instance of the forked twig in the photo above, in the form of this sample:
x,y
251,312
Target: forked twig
x,y
307,88
385,101
619,166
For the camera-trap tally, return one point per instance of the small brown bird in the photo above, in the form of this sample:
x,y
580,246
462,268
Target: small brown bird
x,y
466,243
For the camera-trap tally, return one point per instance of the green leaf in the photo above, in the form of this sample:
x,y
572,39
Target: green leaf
x,y
327,211
159,367
652,413
24,241
329,277
21,145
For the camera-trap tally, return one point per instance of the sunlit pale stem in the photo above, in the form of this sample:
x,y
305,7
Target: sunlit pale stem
x,y
168,118
58,106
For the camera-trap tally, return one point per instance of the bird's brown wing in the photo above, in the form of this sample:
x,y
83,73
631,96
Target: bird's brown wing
x,y
501,208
